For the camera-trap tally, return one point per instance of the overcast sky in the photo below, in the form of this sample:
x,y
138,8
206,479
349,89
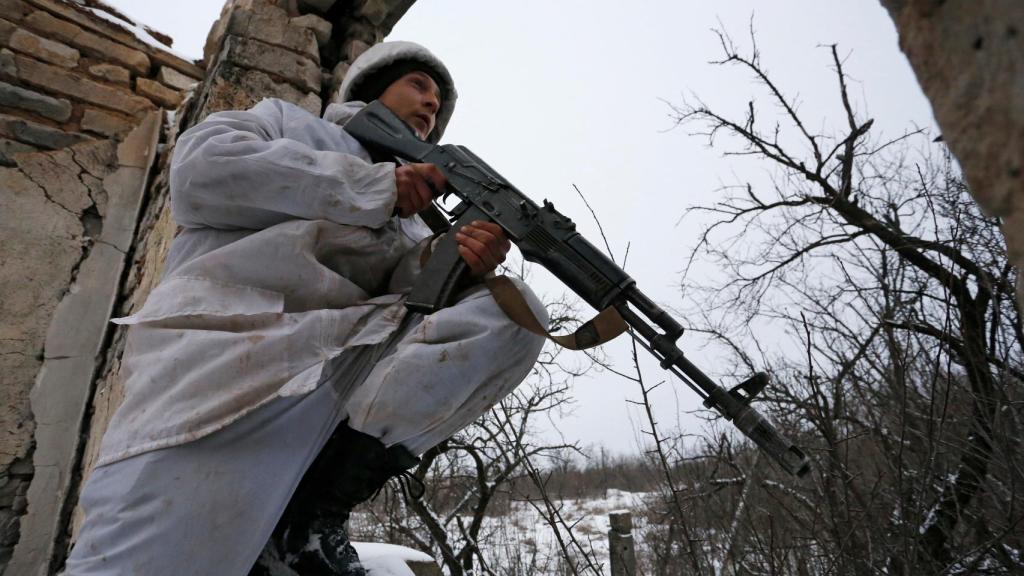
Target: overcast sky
x,y
556,93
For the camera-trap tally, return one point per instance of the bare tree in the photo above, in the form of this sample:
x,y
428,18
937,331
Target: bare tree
x,y
904,369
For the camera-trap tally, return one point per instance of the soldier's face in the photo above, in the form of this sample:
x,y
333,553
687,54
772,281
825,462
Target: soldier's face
x,y
415,98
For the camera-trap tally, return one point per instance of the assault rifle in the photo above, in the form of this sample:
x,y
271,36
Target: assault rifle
x,y
547,237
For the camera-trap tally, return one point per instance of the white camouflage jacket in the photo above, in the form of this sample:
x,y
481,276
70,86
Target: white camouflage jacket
x,y
289,255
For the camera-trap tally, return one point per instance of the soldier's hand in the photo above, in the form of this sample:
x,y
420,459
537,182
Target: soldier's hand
x,y
414,183
483,245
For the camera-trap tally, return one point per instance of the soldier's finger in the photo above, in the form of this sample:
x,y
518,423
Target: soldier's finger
x,y
502,243
494,237
478,248
476,266
423,194
433,175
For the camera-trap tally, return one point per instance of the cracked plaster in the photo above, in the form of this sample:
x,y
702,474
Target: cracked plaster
x,y
76,210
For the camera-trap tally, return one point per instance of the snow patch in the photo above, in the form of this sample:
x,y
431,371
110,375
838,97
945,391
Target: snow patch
x,y
388,559
369,550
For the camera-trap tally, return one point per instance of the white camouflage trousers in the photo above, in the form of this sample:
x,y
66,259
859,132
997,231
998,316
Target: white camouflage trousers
x,y
208,507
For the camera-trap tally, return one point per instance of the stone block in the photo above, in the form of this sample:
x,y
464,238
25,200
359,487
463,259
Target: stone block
x,y
57,109
235,88
334,80
134,60
117,34
363,30
383,13
312,103
321,28
139,148
7,30
7,64
106,124
106,29
352,48
338,74
51,26
215,37
74,11
111,73
298,70
157,92
71,84
174,79
274,27
36,134
376,11
44,49
171,61
15,9
8,148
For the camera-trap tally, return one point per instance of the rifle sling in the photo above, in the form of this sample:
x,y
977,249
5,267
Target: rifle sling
x,y
604,327
607,325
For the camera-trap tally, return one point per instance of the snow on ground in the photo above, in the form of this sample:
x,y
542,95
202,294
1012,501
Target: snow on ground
x,y
534,536
522,541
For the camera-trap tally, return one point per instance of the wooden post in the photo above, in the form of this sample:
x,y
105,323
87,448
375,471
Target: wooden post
x,y
620,544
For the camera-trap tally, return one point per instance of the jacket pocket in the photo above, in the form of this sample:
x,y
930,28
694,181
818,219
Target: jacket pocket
x,y
192,296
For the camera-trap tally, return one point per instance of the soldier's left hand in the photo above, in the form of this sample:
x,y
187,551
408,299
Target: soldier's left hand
x,y
483,245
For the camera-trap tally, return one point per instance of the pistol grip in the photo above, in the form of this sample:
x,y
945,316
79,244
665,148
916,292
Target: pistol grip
x,y
442,273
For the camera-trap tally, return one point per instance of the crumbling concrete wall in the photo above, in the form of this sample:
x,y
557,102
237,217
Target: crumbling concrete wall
x,y
968,56
91,194
80,96
47,222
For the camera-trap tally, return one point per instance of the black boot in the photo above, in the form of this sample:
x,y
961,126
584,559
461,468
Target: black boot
x,y
311,538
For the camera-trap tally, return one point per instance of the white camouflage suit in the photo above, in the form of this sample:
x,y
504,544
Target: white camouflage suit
x,y
280,314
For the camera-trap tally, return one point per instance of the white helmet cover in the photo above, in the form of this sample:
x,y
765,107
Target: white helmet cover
x,y
381,56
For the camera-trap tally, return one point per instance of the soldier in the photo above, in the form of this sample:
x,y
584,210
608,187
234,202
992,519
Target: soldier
x,y
278,334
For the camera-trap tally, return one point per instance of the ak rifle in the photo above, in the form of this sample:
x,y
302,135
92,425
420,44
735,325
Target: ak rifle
x,y
549,238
